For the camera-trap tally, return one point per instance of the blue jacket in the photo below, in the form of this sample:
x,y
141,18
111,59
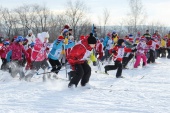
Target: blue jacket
x,y
70,44
56,50
105,41
8,56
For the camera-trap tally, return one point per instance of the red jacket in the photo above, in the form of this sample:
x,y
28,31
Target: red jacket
x,y
17,51
29,51
99,49
168,43
119,52
153,44
79,53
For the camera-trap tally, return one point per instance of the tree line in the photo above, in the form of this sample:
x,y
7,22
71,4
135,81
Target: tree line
x,y
40,18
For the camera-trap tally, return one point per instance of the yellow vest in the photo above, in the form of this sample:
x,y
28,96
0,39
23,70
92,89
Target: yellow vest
x,y
163,43
115,40
66,41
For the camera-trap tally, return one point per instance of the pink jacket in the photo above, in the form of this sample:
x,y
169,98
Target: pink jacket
x,y
17,51
39,52
141,48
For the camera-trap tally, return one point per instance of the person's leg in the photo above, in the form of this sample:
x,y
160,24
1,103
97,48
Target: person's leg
x,y
129,58
87,74
124,61
21,72
53,64
149,57
138,58
168,53
57,62
144,60
119,69
152,56
110,67
79,72
163,51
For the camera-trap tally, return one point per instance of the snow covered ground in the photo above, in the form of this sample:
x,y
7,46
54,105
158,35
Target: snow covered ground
x,y
151,94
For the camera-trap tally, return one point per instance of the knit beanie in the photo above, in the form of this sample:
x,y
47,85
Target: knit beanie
x,y
91,39
120,41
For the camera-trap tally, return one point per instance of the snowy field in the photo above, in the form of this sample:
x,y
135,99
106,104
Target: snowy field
x,y
144,90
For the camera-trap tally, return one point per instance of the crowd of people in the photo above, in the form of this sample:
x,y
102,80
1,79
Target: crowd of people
x,y
25,56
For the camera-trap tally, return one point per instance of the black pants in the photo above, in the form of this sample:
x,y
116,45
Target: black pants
x,y
118,66
158,52
4,64
55,63
163,52
82,72
126,60
168,53
151,56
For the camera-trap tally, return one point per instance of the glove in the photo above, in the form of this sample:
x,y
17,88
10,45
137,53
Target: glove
x,y
134,50
134,45
94,63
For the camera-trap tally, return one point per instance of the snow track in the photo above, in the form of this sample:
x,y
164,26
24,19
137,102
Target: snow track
x,y
106,95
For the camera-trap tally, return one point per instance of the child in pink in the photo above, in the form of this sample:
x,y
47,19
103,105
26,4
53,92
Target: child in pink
x,y
140,53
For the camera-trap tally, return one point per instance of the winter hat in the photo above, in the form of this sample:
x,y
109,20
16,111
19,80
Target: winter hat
x,y
66,27
91,39
82,37
142,38
120,41
60,38
19,39
45,35
39,36
138,33
114,32
64,32
15,37
101,40
24,39
6,43
32,44
154,36
29,31
130,36
126,37
108,34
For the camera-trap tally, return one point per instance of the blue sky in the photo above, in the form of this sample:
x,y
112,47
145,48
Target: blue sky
x,y
157,10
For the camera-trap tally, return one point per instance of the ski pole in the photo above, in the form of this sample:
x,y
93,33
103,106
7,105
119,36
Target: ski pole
x,y
50,72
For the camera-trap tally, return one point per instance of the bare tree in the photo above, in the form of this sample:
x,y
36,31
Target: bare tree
x,y
7,22
136,15
106,15
75,13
